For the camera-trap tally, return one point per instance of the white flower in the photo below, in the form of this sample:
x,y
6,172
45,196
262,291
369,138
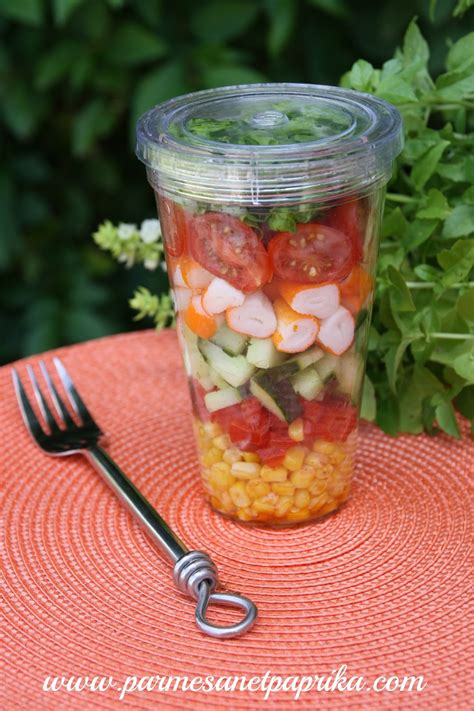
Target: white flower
x,y
150,264
164,266
126,230
150,231
127,259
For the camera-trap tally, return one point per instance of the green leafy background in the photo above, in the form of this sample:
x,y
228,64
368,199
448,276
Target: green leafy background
x,y
74,76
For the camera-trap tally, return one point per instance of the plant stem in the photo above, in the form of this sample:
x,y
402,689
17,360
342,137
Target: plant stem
x,y
453,336
397,197
431,284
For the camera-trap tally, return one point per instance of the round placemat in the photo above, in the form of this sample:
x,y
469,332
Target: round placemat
x,y
380,586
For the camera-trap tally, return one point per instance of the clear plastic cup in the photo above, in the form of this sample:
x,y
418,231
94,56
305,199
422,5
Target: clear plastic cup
x,y
270,198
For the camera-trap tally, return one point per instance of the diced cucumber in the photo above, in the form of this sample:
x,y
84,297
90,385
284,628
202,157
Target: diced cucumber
x,y
216,379
349,372
219,399
231,342
235,370
277,396
283,371
326,367
308,383
194,363
309,357
263,354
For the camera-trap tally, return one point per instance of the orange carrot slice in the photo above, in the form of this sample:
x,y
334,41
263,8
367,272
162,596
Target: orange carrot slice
x,y
198,320
320,301
295,333
355,289
336,333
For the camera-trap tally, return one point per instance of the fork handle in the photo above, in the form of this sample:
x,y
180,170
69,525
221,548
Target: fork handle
x,y
142,510
194,573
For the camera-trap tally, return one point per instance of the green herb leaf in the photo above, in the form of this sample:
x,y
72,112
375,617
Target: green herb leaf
x,y
401,294
426,166
460,223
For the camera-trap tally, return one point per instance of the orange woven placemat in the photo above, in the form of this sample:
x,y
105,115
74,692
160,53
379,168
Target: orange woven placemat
x,y
381,586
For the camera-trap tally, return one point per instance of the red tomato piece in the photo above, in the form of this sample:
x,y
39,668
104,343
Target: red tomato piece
x,y
348,218
313,254
247,424
332,419
173,220
230,249
272,456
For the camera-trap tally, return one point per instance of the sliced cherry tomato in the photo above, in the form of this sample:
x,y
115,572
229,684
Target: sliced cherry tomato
x,y
230,249
332,419
313,254
349,219
173,220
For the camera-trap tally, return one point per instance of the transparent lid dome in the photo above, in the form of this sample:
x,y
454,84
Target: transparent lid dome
x,y
269,144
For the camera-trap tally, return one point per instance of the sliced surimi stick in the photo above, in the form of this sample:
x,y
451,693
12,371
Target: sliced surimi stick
x,y
194,276
255,317
181,297
220,295
294,332
198,320
320,301
336,333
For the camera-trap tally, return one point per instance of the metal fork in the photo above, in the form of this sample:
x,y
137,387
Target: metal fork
x,y
194,573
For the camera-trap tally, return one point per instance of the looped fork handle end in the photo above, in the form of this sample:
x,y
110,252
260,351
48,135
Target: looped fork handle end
x,y
206,598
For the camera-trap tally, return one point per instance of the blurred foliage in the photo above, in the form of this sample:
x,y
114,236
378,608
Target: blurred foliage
x,y
75,75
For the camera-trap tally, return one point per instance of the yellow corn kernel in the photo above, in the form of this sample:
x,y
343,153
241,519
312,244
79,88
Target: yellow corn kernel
x,y
344,495
284,506
297,516
336,486
250,457
337,457
295,430
317,487
231,455
273,474
245,514
301,499
331,505
212,429
316,459
266,504
239,495
256,488
318,501
324,447
212,456
226,501
303,477
221,442
216,502
220,476
245,470
294,458
283,488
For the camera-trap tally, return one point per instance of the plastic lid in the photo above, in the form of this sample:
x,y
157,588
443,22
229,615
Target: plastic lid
x,y
269,144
